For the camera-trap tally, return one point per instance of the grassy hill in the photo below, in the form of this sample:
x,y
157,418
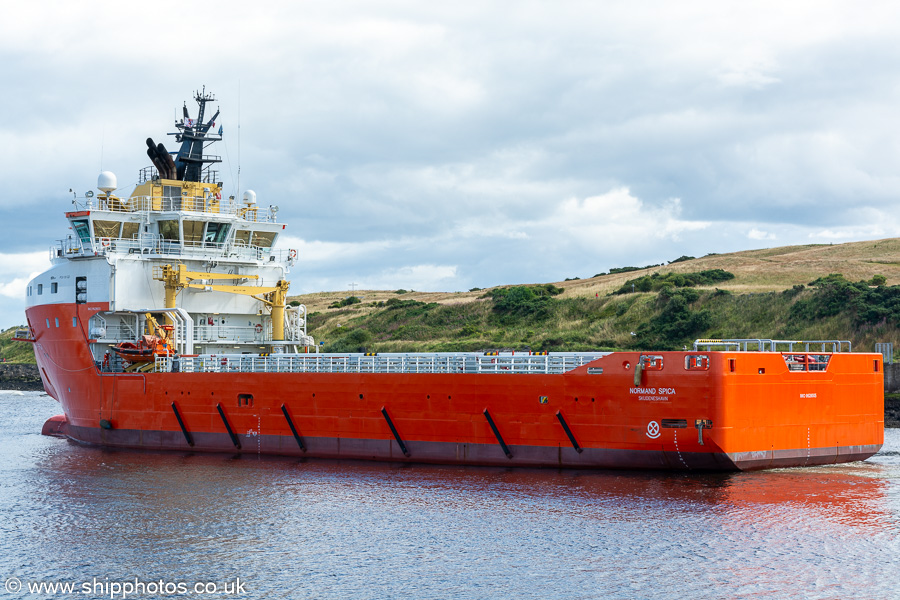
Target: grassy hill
x,y
769,296
15,352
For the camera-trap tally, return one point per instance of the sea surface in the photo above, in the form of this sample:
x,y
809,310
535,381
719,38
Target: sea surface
x,y
116,524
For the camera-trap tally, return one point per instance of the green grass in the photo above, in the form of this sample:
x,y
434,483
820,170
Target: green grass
x,y
670,319
15,352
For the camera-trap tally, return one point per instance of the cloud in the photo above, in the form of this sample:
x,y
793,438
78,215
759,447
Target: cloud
x,y
616,218
470,145
16,270
849,234
417,277
758,234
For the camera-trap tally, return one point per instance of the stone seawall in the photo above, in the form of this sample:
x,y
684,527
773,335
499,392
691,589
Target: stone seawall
x,y
892,378
22,377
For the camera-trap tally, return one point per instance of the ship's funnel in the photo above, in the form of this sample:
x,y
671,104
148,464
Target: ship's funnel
x,y
166,159
162,160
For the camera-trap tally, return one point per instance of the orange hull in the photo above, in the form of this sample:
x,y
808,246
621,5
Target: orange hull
x,y
744,410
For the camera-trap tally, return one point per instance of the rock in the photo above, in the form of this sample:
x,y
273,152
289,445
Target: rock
x,y
22,377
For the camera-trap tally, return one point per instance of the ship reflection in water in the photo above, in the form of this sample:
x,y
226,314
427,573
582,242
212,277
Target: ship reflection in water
x,y
324,529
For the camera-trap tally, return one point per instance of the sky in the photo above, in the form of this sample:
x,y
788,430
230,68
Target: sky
x,y
446,146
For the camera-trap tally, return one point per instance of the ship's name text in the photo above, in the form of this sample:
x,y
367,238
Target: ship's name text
x,y
652,390
652,394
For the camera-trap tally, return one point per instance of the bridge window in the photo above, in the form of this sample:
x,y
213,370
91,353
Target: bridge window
x,y
40,289
193,231
53,287
83,228
168,230
107,229
263,239
129,230
216,233
242,237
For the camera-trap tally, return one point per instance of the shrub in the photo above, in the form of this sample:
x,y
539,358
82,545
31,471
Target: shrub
x,y
681,259
345,302
656,281
524,301
352,341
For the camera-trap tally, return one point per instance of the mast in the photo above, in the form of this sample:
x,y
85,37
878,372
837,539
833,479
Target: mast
x,y
194,135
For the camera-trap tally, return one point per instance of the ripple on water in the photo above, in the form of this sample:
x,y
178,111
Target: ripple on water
x,y
342,529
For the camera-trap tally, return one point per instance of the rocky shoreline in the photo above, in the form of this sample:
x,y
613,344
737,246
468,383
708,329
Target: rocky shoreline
x,y
892,410
20,377
25,377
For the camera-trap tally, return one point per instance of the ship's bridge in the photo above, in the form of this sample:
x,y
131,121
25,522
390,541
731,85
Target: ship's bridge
x,y
173,218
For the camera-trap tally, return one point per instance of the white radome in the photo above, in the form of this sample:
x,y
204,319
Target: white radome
x,y
106,182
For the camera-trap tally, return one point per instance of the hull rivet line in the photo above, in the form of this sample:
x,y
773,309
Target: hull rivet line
x,y
497,434
187,436
565,426
293,429
234,438
394,431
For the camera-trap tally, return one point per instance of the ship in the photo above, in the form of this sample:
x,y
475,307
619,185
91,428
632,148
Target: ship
x,y
163,324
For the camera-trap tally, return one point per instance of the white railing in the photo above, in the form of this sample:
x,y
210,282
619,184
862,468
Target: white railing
x,y
464,362
153,245
765,345
199,204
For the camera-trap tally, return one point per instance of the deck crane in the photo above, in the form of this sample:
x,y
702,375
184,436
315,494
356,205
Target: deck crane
x,y
176,278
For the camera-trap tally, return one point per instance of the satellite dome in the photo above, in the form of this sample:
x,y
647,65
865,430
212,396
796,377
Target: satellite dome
x,y
106,182
250,197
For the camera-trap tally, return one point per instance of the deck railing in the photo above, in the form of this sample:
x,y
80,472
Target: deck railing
x,y
199,204
153,245
464,362
765,345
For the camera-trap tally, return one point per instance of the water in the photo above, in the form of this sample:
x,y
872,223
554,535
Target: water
x,y
322,529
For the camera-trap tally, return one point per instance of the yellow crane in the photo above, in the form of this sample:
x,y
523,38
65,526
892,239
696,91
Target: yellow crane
x,y
178,277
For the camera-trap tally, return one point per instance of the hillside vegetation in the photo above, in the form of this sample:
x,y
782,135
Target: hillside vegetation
x,y
15,352
844,291
830,308
841,291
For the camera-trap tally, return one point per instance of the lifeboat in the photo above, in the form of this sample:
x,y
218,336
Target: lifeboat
x,y
145,350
